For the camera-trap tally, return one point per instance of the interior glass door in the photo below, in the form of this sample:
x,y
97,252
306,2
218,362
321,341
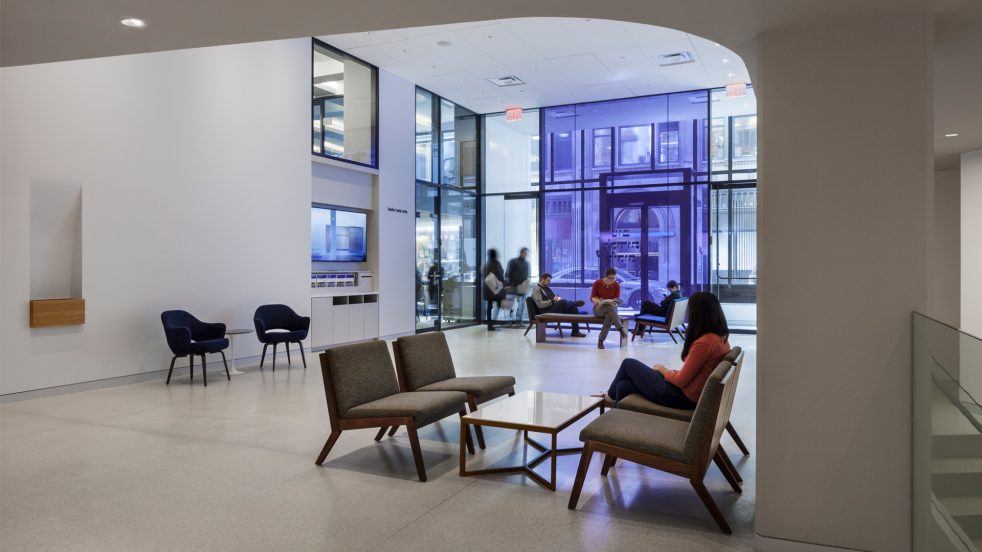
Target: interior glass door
x,y
428,270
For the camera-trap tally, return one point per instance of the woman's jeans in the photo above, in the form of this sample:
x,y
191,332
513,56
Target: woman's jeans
x,y
635,377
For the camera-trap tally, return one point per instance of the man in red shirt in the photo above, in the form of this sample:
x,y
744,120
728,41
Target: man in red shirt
x,y
606,296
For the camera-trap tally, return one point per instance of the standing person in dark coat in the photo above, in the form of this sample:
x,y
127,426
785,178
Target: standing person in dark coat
x,y
517,279
491,298
661,309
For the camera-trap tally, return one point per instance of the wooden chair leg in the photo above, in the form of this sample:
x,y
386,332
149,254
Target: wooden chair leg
x,y
585,458
670,334
636,328
417,452
263,358
737,439
528,328
327,447
710,504
288,360
204,370
381,433
726,458
274,356
472,403
171,371
393,430
191,367
724,467
302,356
225,362
470,442
608,463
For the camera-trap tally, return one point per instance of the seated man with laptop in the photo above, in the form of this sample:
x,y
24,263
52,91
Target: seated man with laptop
x,y
548,301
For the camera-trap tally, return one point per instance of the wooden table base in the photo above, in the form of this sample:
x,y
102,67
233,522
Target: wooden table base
x,y
528,467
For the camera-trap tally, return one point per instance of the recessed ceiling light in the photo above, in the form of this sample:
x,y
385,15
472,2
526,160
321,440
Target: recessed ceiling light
x,y
951,135
444,43
726,60
729,74
133,22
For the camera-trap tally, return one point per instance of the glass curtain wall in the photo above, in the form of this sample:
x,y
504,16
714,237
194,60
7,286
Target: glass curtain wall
x,y
733,146
625,185
511,202
345,106
447,225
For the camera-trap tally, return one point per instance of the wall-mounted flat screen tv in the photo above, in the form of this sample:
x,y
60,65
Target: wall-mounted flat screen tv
x,y
337,235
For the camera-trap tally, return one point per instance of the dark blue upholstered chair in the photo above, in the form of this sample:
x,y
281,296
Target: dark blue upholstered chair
x,y
292,328
188,336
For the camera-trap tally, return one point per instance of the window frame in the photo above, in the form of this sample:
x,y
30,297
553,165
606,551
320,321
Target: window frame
x,y
315,43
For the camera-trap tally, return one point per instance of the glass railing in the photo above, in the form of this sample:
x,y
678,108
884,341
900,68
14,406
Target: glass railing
x,y
947,459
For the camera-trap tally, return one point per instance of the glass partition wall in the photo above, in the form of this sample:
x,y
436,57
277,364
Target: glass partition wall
x,y
659,187
733,150
511,198
448,172
625,186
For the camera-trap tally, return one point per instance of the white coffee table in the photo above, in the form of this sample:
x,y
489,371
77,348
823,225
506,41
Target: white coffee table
x,y
231,346
531,411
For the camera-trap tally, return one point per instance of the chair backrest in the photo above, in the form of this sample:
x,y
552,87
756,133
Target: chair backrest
x,y
275,317
357,374
532,308
680,307
712,412
178,341
423,359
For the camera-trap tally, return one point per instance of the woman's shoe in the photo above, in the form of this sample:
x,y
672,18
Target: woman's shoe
x,y
608,402
600,344
492,329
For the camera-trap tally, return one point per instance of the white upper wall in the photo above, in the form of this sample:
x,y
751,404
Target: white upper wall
x,y
944,287
196,186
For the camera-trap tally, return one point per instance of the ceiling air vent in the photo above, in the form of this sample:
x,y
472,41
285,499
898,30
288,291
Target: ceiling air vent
x,y
678,58
510,80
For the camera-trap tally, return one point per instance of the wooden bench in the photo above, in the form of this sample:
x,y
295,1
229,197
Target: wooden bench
x,y
542,320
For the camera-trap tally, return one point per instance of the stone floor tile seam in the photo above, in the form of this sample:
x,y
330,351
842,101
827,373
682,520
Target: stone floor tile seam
x,y
379,544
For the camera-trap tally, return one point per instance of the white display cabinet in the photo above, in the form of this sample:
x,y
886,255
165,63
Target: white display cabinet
x,y
343,318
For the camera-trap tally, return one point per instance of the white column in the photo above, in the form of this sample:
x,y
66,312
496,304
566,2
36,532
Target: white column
x,y
971,246
845,115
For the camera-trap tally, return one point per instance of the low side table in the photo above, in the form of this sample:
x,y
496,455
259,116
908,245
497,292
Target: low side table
x,y
531,411
231,346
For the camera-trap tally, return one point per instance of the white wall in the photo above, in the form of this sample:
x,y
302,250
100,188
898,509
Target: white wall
x,y
971,243
396,206
944,278
195,175
834,363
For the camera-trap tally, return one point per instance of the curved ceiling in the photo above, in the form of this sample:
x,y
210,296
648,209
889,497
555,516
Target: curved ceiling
x,y
40,31
559,60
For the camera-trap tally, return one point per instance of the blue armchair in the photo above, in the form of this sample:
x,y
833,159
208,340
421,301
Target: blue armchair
x,y
277,324
188,336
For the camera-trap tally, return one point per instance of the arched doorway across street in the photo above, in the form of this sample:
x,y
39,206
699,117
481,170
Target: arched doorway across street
x,y
653,231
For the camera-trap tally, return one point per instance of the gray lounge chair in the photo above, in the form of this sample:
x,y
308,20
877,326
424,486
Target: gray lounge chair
x,y
362,391
424,363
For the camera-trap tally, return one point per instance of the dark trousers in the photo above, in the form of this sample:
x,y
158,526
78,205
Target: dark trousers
x,y
491,303
650,307
635,377
564,307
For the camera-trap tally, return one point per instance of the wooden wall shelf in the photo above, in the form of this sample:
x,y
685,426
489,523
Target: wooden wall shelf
x,y
57,312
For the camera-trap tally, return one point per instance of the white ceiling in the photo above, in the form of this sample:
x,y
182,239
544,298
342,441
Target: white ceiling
x,y
561,60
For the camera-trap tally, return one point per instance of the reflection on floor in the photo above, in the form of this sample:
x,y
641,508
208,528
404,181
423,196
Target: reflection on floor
x,y
231,467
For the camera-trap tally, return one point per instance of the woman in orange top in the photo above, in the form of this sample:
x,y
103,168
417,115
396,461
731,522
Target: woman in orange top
x,y
705,346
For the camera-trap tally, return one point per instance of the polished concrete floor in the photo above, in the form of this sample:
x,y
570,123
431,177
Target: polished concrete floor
x,y
231,467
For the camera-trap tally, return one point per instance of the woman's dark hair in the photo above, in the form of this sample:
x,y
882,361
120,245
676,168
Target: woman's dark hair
x,y
492,254
705,316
